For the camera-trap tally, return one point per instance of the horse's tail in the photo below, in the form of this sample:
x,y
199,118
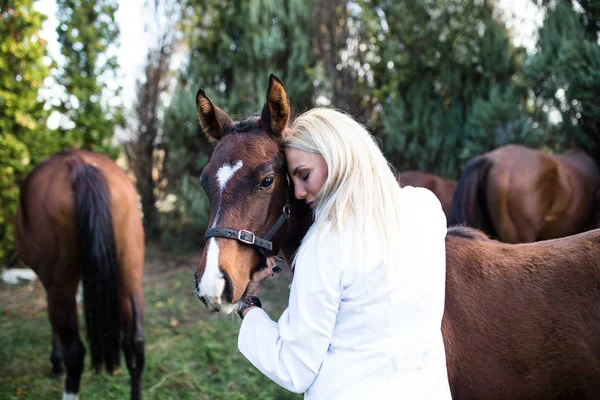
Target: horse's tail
x,y
98,259
469,203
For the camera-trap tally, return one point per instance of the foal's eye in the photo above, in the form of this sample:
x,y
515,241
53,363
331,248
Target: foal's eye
x,y
266,183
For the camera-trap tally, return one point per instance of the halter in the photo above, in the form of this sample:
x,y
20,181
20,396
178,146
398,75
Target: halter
x,y
261,244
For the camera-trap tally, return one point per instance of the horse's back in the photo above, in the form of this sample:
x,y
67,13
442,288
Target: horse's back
x,y
523,314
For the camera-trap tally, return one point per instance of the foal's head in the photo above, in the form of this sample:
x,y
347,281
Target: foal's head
x,y
246,183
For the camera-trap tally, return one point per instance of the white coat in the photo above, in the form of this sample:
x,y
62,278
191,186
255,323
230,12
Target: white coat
x,y
351,333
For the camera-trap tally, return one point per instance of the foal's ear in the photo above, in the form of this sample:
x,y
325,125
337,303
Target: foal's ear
x,y
276,112
213,120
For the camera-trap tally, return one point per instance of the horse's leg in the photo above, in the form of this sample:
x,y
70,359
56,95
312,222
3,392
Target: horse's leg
x,y
56,357
63,316
133,342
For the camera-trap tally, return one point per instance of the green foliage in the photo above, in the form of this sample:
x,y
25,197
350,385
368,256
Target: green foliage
x,y
588,13
236,44
564,75
87,32
495,121
13,154
24,138
448,84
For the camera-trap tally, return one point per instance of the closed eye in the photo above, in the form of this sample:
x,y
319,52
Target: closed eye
x,y
305,176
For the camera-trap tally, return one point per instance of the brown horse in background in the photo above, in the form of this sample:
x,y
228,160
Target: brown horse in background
x,y
521,322
443,188
78,219
521,195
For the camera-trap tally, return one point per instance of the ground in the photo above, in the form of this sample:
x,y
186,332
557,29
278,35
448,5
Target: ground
x,y
190,354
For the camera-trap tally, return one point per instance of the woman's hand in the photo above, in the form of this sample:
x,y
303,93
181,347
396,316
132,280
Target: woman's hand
x,y
271,268
259,277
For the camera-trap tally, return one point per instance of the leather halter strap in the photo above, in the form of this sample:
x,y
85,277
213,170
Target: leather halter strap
x,y
262,244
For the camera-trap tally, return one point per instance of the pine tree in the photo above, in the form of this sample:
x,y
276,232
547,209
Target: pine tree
x,y
447,83
564,73
88,34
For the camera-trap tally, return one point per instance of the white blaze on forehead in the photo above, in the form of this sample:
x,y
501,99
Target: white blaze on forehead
x,y
225,173
212,284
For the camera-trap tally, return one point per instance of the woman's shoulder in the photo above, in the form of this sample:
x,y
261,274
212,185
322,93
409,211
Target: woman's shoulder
x,y
420,195
422,206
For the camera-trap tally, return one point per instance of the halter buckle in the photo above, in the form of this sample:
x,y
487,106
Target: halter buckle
x,y
246,237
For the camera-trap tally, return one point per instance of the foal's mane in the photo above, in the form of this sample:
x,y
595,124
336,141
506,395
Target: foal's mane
x,y
467,233
250,125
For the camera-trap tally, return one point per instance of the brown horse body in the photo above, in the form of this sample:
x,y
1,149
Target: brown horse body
x,y
443,188
521,322
78,219
521,195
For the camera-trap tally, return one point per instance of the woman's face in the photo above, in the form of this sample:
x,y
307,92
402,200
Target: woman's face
x,y
308,172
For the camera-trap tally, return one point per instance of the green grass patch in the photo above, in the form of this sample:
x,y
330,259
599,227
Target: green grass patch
x,y
190,354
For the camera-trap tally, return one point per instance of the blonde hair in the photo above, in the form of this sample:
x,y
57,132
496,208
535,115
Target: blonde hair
x,y
360,186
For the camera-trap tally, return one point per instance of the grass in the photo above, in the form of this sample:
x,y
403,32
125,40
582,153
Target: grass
x,y
190,354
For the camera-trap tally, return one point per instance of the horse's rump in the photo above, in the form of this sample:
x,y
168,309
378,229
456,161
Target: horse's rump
x,y
521,195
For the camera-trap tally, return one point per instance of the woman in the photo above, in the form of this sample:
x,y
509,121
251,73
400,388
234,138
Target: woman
x,y
367,298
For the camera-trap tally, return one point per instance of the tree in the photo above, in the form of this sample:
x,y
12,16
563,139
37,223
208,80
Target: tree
x,y
587,11
142,151
24,138
447,84
343,45
564,73
88,34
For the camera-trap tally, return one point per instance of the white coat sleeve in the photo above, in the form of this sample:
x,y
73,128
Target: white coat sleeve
x,y
291,351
